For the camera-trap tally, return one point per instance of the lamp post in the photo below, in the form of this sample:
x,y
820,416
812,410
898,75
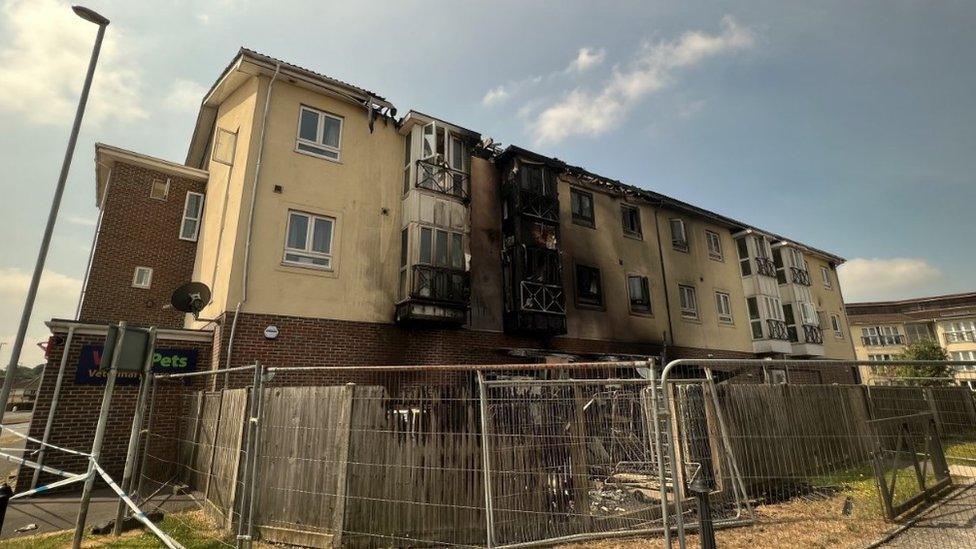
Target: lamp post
x,y
91,16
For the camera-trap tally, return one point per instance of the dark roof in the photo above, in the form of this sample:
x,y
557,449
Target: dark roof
x,y
920,308
268,59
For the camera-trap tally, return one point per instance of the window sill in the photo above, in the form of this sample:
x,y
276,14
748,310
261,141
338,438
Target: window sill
x,y
294,268
691,319
683,250
634,236
727,324
644,314
188,239
590,306
584,223
319,156
720,259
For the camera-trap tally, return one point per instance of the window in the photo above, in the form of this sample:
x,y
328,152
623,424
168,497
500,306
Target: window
x,y
808,314
441,248
790,320
689,301
960,356
755,318
869,336
773,307
407,146
890,335
225,143
308,240
142,278
640,294
319,134
780,266
724,305
762,247
581,204
825,275
883,357
404,259
588,288
958,332
679,238
160,189
533,178
918,332
714,242
630,219
836,326
192,210
743,249
776,376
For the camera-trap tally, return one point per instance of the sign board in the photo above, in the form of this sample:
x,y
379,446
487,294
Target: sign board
x,y
271,332
165,361
135,345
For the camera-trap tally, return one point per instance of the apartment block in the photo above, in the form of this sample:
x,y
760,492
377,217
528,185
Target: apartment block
x,y
882,329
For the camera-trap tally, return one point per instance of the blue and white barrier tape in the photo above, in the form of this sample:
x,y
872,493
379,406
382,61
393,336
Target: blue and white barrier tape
x,y
51,486
137,513
41,442
35,465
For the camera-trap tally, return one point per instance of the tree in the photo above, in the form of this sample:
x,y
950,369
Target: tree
x,y
925,349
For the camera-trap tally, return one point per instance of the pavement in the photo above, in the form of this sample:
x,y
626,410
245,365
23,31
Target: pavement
x,y
951,524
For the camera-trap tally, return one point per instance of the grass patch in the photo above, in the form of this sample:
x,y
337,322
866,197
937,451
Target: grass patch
x,y
192,530
961,450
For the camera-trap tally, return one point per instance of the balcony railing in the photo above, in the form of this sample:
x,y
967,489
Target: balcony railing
x,y
777,329
440,284
442,179
765,267
812,334
800,276
542,206
542,298
960,337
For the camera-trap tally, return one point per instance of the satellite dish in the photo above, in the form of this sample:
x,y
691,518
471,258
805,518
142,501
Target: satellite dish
x,y
191,297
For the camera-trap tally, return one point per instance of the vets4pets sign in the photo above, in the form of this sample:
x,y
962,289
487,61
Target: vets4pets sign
x,y
165,361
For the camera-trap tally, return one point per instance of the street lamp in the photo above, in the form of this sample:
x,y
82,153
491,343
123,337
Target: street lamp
x,y
87,15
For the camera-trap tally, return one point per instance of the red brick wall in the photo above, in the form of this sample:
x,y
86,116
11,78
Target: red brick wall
x,y
139,231
78,407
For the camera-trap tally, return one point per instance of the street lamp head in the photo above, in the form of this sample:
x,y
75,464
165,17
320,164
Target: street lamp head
x,y
90,15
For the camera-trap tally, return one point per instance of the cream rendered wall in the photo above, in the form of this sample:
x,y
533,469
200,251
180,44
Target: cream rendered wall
x,y
708,276
617,256
831,301
362,191
223,207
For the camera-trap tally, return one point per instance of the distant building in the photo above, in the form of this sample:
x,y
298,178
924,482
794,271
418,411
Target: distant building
x,y
881,330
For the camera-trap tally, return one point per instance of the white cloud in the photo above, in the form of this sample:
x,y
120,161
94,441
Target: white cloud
x,y
586,59
871,279
495,95
44,52
583,112
184,95
57,297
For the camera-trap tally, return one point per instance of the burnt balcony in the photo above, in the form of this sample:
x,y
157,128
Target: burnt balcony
x,y
812,334
542,298
443,179
436,294
799,276
765,267
776,329
540,206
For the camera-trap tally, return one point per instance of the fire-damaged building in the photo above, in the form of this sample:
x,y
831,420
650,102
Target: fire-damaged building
x,y
334,232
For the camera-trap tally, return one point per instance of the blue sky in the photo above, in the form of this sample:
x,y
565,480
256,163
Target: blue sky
x,y
846,125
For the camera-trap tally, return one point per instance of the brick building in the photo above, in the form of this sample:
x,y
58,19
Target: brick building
x,y
366,239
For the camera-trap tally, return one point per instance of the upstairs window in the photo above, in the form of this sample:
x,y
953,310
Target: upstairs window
x,y
319,133
742,247
689,301
308,240
640,294
159,189
192,211
441,248
588,288
714,242
533,178
825,275
142,278
755,318
581,204
724,305
679,238
835,326
630,219
225,143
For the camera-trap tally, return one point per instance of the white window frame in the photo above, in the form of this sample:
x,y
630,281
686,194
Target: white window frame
x,y
319,135
773,307
715,252
307,251
808,314
135,278
724,300
152,188
680,244
637,233
645,286
186,217
825,275
836,325
688,293
216,146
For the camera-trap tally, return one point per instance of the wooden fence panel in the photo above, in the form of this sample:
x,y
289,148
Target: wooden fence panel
x,y
226,456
